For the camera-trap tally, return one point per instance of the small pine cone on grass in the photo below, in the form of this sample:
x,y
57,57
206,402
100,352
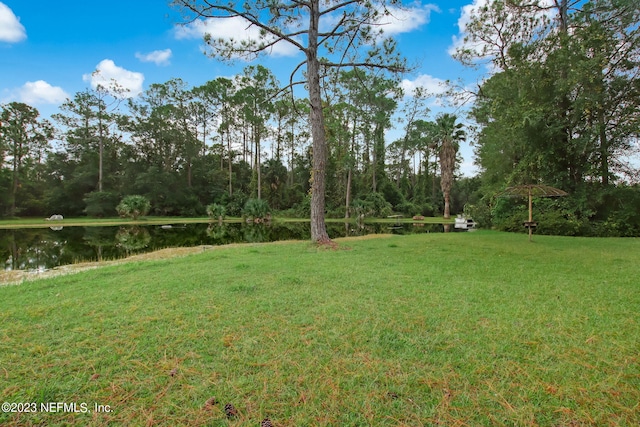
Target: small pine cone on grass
x,y
230,410
266,423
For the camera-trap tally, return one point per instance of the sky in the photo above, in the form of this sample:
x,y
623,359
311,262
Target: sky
x,y
49,50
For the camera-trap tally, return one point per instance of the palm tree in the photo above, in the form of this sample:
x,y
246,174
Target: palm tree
x,y
134,207
449,134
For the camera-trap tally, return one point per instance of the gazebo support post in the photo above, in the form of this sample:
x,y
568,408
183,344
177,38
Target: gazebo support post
x,y
530,214
538,190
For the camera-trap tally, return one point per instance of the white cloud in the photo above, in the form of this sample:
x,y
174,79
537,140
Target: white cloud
x,y
405,19
11,30
465,18
40,92
232,29
238,30
433,85
159,57
107,73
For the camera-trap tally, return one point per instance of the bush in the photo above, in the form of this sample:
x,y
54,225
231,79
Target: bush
x,y
256,209
480,212
216,211
134,207
380,207
554,216
303,209
373,204
100,204
190,206
408,209
234,204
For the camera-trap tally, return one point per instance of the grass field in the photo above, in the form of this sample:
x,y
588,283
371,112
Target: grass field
x,y
458,329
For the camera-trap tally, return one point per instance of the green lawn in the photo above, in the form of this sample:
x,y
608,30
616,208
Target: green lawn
x,y
458,329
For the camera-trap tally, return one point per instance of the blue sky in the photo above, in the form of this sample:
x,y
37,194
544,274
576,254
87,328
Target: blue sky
x,y
49,49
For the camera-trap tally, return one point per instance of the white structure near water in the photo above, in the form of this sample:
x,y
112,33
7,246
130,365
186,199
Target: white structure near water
x,y
464,223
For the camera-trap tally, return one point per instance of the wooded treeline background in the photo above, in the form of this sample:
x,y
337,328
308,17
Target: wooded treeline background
x,y
562,107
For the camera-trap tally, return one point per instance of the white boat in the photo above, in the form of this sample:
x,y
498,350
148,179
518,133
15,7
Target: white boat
x,y
464,223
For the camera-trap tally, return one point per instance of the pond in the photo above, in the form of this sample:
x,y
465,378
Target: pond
x,y
39,249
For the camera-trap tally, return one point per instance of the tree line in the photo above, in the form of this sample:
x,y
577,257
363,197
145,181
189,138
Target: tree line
x,y
560,108
225,142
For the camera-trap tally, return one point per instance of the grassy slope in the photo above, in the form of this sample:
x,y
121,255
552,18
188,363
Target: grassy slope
x,y
467,329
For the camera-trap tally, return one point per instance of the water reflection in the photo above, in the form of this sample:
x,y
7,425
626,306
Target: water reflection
x,y
133,238
38,249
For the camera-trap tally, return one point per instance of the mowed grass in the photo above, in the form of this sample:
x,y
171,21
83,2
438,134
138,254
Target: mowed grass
x,y
458,329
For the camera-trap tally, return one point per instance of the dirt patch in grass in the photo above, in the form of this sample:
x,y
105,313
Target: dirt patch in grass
x,y
18,276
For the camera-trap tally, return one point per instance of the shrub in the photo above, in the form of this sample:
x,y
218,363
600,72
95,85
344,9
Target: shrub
x,y
480,212
303,209
190,206
374,204
408,208
133,207
256,209
216,211
235,203
100,204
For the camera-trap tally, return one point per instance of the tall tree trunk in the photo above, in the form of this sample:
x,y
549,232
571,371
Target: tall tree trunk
x,y
318,171
257,163
348,196
101,152
230,163
447,206
293,152
16,179
447,166
604,149
244,145
378,154
374,183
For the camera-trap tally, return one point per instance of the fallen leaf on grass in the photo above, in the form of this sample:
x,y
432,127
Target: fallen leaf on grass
x,y
551,389
228,340
211,402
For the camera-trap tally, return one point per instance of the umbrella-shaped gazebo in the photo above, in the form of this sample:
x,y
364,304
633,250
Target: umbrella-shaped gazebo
x,y
531,191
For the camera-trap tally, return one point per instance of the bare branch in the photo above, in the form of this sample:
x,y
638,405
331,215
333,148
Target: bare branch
x,y
338,7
